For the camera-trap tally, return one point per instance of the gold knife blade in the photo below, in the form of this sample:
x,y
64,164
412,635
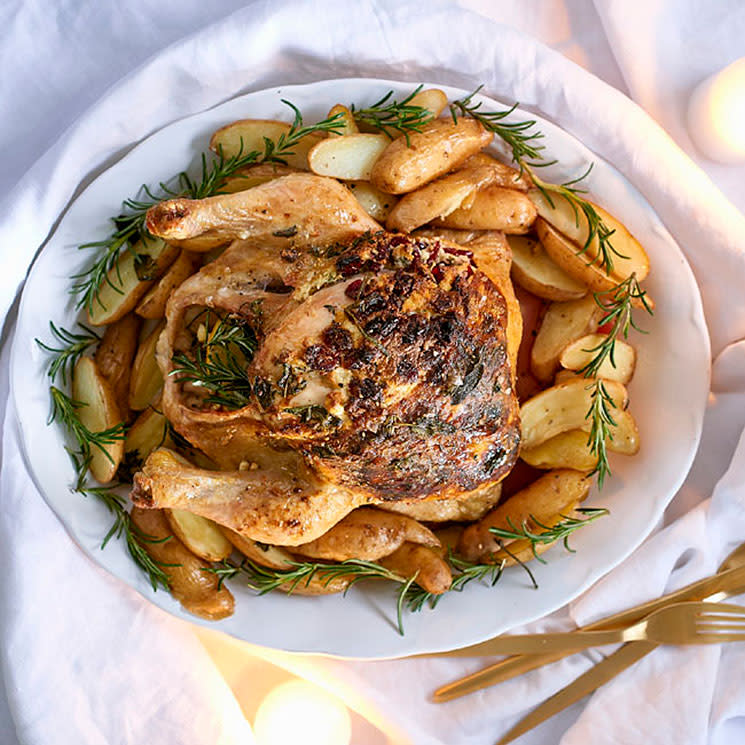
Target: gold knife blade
x,y
729,582
586,683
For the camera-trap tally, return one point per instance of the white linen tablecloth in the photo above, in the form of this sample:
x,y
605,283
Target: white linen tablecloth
x,y
84,659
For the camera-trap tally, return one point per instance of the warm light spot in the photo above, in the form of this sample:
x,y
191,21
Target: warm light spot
x,y
298,712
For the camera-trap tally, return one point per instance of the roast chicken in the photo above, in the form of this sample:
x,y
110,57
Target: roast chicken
x,y
383,372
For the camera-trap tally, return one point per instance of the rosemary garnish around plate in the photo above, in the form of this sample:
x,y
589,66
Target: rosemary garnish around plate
x,y
389,115
71,347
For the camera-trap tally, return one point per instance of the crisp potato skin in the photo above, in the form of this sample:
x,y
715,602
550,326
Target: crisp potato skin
x,y
493,208
114,357
195,589
432,571
440,147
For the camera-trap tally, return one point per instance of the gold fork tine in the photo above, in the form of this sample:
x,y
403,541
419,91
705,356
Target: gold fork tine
x,y
720,638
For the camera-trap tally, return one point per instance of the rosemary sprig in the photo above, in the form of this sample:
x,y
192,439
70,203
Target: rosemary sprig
x,y
123,526
601,421
65,410
71,347
617,305
561,531
219,363
130,225
393,117
300,573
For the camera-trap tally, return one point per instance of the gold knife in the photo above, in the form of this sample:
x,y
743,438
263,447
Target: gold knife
x,y
729,582
586,683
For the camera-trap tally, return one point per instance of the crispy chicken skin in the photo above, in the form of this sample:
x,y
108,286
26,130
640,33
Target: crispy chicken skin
x,y
384,371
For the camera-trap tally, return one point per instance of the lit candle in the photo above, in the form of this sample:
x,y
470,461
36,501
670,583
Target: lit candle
x,y
716,115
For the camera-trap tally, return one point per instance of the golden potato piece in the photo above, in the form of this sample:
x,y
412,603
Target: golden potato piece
x,y
493,208
562,324
464,508
376,203
153,305
432,573
200,535
98,412
114,357
432,99
247,135
628,255
146,380
349,158
367,534
439,147
436,199
129,279
533,269
504,175
197,591
552,494
581,352
562,408
347,122
149,432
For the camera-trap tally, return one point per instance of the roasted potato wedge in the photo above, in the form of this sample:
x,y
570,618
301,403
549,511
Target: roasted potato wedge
x,y
504,175
367,534
533,269
571,449
436,199
248,134
114,357
149,432
346,121
629,257
130,279
552,494
464,508
350,158
562,408
146,380
153,305
493,208
439,147
432,573
376,203
579,353
432,99
276,557
199,592
252,176
98,412
562,324
200,535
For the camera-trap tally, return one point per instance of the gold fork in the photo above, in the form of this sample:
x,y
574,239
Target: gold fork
x,y
681,623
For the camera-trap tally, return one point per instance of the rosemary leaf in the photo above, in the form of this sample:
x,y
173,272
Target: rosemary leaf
x,y
393,117
71,347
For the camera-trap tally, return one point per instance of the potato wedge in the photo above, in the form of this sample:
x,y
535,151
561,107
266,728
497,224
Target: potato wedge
x,y
533,269
552,494
629,257
562,408
439,147
437,199
199,592
346,120
130,279
562,376
149,432
146,379
493,208
562,324
571,450
376,203
504,175
200,535
432,572
367,534
432,99
114,357
350,158
98,412
276,557
463,508
252,176
579,353
153,305
246,135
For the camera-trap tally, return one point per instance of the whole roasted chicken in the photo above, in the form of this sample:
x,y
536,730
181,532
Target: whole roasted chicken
x,y
373,368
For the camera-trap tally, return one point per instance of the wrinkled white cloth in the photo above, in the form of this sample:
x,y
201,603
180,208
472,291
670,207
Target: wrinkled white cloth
x,y
85,660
